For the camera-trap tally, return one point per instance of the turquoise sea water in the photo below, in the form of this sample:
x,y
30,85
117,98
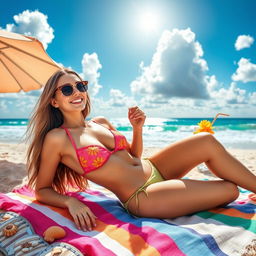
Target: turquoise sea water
x,y
159,132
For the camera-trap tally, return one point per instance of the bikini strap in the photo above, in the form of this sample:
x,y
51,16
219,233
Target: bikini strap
x,y
70,137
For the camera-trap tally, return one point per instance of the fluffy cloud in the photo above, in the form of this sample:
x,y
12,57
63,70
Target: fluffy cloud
x,y
32,23
231,95
252,98
153,102
243,41
90,66
17,105
119,99
246,71
176,70
211,82
3,106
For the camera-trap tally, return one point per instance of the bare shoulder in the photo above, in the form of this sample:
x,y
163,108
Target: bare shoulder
x,y
55,137
104,121
100,119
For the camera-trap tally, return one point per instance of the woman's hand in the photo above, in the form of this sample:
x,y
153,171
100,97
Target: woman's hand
x,y
136,117
82,215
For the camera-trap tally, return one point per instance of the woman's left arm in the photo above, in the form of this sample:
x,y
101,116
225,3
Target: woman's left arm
x,y
137,119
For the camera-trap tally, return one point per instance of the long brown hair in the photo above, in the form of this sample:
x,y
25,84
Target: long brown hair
x,y
45,118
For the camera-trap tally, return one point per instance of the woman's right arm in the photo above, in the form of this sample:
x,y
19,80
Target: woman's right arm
x,y
50,158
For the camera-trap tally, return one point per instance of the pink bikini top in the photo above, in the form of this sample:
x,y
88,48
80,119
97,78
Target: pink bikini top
x,y
93,157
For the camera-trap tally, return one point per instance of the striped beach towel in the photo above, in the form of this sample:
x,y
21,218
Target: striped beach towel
x,y
221,231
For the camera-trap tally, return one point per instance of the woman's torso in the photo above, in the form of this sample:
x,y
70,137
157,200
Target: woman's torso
x,y
122,173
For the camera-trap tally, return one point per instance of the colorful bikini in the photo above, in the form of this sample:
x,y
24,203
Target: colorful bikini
x,y
93,157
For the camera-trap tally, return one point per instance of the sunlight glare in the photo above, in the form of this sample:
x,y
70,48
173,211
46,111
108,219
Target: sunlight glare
x,y
148,21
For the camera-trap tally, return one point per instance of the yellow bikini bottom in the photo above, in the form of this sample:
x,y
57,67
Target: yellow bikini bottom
x,y
154,178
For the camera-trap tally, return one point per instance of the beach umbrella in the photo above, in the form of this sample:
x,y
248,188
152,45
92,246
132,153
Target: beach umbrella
x,y
24,64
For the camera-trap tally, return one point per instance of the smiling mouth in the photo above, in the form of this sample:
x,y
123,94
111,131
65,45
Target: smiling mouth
x,y
78,101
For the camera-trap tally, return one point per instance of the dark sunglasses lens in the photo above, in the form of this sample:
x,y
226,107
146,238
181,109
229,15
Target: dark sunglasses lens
x,y
81,87
67,90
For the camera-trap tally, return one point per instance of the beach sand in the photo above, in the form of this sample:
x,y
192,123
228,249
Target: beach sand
x,y
13,164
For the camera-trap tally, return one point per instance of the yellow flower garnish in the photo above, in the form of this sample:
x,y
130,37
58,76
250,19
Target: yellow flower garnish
x,y
207,126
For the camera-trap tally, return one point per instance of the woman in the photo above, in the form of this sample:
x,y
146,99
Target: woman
x,y
66,150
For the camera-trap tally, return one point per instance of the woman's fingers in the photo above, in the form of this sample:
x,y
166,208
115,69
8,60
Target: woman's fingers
x,y
133,110
93,219
139,116
136,117
85,220
77,222
137,113
83,217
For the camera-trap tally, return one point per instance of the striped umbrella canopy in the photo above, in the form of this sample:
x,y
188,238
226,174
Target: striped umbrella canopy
x,y
24,64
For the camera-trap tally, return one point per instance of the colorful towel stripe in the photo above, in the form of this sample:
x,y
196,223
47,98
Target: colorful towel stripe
x,y
220,231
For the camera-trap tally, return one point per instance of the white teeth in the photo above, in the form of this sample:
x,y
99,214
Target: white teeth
x,y
76,101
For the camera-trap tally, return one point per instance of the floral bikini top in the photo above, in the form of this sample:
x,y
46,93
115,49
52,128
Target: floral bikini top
x,y
93,157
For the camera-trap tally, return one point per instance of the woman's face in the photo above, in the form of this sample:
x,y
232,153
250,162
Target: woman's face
x,y
76,101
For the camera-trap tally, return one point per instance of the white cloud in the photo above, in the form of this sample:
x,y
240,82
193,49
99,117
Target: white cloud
x,y
246,71
231,95
119,99
252,98
32,23
176,70
116,106
243,41
90,66
153,101
222,97
176,82
211,82
3,106
17,105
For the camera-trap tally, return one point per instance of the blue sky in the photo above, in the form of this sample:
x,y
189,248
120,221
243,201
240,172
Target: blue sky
x,y
172,58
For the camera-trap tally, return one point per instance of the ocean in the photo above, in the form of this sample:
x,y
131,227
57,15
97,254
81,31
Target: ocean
x,y
159,132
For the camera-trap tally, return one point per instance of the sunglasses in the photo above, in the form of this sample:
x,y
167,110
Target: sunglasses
x,y
68,89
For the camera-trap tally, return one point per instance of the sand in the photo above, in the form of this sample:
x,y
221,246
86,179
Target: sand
x,y
13,164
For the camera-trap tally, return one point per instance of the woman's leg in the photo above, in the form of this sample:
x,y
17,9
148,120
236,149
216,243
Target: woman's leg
x,y
179,158
174,198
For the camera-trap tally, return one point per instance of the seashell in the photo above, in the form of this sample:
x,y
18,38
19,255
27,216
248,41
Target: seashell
x,y
26,245
10,230
34,243
5,217
56,252
25,249
53,232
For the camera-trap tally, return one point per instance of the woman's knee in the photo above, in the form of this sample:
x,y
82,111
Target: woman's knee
x,y
232,190
211,142
207,137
